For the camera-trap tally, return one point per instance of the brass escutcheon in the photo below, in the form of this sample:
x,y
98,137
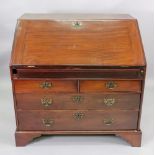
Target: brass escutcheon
x,y
47,122
108,121
77,99
76,24
109,101
46,101
46,85
78,115
111,85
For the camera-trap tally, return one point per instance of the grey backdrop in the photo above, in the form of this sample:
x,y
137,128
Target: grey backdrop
x,y
10,10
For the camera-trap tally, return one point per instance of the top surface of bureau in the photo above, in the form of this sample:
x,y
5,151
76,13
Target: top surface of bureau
x,y
78,41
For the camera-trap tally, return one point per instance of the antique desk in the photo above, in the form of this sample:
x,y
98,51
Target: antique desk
x,y
77,74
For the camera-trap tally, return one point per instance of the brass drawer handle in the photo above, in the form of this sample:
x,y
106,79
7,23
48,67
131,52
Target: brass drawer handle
x,y
47,122
46,85
109,101
141,71
111,85
77,99
108,121
76,24
46,101
78,115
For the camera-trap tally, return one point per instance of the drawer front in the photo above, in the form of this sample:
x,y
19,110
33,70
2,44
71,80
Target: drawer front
x,y
79,73
77,120
41,101
110,86
27,86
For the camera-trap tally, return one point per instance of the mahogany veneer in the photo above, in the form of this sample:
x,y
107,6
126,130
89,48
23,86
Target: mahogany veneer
x,y
77,74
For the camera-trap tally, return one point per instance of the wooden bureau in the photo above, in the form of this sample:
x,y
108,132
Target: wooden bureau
x,y
77,74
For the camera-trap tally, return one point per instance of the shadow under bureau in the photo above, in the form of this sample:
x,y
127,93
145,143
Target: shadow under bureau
x,y
77,74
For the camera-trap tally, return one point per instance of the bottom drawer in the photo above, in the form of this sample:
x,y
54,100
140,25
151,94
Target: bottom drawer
x,y
77,120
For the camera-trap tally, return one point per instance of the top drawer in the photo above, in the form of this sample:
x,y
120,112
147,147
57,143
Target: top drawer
x,y
110,85
78,73
27,86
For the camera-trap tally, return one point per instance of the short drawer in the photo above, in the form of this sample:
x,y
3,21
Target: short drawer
x,y
77,120
110,85
26,86
62,101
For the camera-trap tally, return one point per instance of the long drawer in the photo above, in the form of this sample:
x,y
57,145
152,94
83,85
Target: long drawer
x,y
76,120
62,101
77,73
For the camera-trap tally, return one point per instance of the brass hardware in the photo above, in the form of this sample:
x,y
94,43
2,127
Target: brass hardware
x,y
47,122
46,85
31,66
76,24
109,101
108,121
46,101
78,115
77,99
111,85
141,71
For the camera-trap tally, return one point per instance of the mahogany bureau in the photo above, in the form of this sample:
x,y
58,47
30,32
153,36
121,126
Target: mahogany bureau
x,y
77,74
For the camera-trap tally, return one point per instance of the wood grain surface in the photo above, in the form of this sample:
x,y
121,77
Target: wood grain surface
x,y
63,101
64,120
77,74
103,42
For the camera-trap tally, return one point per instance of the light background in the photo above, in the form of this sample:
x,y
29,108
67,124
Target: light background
x,y
10,10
